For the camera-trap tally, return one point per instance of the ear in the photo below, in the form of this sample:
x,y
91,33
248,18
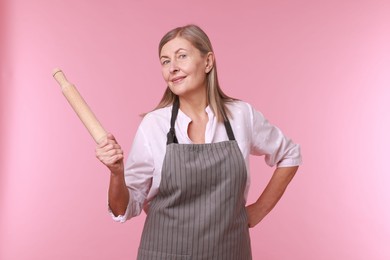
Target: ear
x,y
209,62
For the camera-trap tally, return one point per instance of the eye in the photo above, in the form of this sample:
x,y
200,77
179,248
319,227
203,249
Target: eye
x,y
182,56
164,62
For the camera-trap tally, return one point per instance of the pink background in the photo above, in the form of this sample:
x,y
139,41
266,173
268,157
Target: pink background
x,y
320,70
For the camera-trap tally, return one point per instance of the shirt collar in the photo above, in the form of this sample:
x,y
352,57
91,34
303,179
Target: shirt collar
x,y
183,117
183,120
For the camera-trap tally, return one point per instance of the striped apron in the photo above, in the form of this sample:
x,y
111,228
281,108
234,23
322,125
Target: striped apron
x,y
199,212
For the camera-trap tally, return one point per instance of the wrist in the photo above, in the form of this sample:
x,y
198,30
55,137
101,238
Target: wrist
x,y
117,173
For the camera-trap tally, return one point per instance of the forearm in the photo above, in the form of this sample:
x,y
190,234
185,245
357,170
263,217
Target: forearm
x,y
118,194
271,194
110,153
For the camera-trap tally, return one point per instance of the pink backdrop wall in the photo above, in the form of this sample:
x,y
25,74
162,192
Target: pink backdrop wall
x,y
317,69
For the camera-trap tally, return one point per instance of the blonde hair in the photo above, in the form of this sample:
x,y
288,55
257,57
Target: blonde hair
x,y
215,96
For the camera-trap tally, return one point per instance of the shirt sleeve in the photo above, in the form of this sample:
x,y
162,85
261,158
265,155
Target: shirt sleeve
x,y
138,176
268,140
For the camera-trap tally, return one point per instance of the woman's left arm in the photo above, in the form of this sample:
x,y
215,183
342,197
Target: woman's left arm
x,y
271,194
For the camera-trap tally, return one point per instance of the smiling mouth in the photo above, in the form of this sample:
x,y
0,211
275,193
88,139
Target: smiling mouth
x,y
177,80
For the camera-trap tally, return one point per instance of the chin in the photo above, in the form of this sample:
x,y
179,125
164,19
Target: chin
x,y
178,90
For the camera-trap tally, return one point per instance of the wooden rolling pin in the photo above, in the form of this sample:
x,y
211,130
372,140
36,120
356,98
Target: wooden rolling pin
x,y
80,106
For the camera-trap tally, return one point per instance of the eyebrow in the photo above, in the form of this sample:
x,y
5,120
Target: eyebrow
x,y
180,49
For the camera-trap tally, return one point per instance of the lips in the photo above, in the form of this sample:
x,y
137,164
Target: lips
x,y
177,79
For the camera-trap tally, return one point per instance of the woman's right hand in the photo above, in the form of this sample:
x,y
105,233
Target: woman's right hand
x,y
110,153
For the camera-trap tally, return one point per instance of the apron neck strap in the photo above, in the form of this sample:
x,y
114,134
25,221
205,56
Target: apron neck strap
x,y
229,130
171,136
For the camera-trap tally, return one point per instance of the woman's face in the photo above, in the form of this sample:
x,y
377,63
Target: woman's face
x,y
184,68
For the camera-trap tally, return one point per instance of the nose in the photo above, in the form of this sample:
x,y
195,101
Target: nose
x,y
173,67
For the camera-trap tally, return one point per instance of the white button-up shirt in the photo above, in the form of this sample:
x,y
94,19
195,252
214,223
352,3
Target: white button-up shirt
x,y
253,133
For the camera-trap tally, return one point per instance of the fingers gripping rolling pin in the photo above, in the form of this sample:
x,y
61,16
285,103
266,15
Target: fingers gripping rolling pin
x,y
80,106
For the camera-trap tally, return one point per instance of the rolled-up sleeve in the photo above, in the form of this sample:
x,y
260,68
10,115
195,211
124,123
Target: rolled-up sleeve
x,y
139,170
268,140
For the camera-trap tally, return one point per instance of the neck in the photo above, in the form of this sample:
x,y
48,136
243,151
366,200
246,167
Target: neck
x,y
194,105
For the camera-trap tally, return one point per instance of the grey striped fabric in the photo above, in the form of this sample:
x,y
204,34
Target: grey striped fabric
x,y
199,212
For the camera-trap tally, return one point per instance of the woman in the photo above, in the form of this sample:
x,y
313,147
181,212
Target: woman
x,y
188,167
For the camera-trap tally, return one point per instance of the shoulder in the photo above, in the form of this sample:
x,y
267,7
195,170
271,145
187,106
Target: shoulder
x,y
155,124
157,117
238,106
242,109
244,116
